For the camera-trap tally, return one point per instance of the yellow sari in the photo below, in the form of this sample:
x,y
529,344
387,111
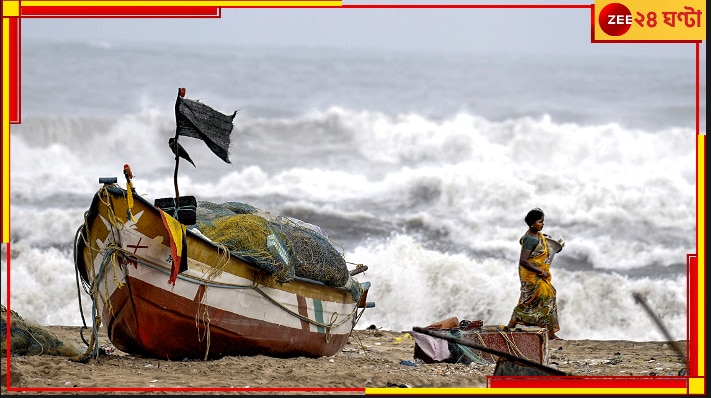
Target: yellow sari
x,y
537,303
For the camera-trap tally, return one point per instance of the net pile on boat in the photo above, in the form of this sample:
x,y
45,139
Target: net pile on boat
x,y
283,247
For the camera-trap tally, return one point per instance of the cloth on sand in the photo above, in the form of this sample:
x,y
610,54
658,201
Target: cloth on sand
x,y
433,347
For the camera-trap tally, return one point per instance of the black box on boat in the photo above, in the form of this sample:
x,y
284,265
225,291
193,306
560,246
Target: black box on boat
x,y
187,208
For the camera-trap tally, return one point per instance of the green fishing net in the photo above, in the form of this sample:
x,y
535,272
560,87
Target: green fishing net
x,y
29,339
283,247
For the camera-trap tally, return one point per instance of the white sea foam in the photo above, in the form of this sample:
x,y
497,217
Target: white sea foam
x,y
468,202
426,181
433,286
43,286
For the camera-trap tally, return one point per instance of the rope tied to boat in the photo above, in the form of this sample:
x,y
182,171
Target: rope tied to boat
x,y
111,214
110,254
92,349
333,324
203,313
334,318
92,289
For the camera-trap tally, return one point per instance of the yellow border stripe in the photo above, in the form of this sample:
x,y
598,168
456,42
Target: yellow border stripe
x,y
5,129
697,386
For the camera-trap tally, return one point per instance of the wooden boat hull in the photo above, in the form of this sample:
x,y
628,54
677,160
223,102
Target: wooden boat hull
x,y
220,306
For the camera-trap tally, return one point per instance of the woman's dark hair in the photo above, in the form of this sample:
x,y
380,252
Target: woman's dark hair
x,y
533,216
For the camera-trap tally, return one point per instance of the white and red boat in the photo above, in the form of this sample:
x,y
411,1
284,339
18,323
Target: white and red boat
x,y
218,304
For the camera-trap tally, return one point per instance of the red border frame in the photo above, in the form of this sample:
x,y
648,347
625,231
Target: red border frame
x,y
15,62
621,382
120,11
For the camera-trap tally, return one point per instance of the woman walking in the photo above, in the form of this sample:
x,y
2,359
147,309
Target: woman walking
x,y
537,303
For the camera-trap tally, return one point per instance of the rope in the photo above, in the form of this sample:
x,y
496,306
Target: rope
x,y
512,345
112,252
202,311
103,197
93,347
79,235
334,316
92,288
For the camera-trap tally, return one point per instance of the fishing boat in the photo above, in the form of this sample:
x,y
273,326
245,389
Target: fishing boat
x,y
163,286
221,305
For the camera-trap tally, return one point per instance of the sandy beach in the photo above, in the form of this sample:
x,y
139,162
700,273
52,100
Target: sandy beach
x,y
373,358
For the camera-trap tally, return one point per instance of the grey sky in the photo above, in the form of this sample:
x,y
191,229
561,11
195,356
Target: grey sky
x,y
495,30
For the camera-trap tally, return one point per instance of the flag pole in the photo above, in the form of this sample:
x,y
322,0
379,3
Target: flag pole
x,y
197,120
181,94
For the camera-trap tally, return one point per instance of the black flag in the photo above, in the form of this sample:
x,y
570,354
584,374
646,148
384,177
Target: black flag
x,y
197,120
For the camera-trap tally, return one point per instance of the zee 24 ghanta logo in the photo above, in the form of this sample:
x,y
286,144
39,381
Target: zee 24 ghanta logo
x,y
650,19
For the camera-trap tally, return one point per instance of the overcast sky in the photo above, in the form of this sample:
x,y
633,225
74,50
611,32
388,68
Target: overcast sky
x,y
520,30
